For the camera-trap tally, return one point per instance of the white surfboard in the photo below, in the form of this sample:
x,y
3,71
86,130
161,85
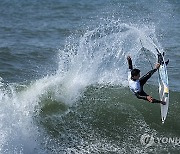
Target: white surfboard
x,y
163,88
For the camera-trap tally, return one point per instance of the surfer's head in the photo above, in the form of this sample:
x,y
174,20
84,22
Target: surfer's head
x,y
135,74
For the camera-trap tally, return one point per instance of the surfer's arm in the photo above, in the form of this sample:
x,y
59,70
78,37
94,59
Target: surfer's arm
x,y
147,98
151,72
130,62
144,78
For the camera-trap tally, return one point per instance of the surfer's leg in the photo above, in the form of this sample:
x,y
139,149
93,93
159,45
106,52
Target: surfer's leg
x,y
142,93
158,101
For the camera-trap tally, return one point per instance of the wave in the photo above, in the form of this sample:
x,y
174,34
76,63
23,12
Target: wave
x,y
106,119
98,57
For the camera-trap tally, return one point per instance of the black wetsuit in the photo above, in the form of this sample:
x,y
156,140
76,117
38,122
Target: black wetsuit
x,y
140,92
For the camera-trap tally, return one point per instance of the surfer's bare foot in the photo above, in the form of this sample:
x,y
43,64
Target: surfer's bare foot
x,y
163,103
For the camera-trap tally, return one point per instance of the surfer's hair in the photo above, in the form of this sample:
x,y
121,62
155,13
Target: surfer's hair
x,y
135,72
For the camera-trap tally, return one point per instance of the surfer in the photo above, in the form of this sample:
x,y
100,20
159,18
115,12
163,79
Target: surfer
x,y
136,83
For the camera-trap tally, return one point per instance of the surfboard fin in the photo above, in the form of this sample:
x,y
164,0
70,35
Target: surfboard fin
x,y
163,53
160,59
167,62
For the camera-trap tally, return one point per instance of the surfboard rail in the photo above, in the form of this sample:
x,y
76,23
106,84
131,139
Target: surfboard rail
x,y
163,86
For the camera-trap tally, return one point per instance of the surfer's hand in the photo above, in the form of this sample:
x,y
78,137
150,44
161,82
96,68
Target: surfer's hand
x,y
128,57
149,98
157,66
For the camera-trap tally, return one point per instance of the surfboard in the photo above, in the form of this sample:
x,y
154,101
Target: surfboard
x,y
163,82
163,86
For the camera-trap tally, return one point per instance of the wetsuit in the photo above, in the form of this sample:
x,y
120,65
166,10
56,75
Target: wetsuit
x,y
136,86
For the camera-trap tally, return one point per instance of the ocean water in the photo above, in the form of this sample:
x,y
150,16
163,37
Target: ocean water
x,y
63,76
